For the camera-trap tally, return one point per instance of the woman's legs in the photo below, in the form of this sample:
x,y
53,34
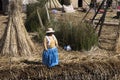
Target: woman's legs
x,y
62,2
80,3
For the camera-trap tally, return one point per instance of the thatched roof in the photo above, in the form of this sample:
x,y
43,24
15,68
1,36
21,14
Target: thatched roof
x,y
53,4
29,1
50,3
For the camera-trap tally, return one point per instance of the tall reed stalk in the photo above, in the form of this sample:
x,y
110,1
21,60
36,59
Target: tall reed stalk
x,y
79,37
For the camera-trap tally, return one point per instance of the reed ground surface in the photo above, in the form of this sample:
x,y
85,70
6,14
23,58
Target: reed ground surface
x,y
96,64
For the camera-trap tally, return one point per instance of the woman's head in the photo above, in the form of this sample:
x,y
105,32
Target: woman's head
x,y
49,31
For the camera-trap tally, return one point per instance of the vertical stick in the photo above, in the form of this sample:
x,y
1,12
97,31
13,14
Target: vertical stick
x,y
40,20
48,15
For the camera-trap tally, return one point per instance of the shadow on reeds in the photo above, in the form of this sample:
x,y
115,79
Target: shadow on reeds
x,y
106,70
32,62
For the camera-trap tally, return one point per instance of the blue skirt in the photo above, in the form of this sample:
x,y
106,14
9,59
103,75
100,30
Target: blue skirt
x,y
50,57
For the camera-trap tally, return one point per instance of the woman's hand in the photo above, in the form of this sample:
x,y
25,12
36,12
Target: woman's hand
x,y
45,44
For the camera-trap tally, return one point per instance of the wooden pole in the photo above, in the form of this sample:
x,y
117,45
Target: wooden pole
x,y
40,20
48,15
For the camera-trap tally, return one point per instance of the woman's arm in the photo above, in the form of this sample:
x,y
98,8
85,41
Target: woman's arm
x,y
45,43
56,42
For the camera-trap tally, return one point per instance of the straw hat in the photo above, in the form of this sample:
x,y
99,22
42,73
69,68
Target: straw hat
x,y
50,30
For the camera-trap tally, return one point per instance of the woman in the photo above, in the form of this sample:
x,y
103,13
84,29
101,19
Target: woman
x,y
50,53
